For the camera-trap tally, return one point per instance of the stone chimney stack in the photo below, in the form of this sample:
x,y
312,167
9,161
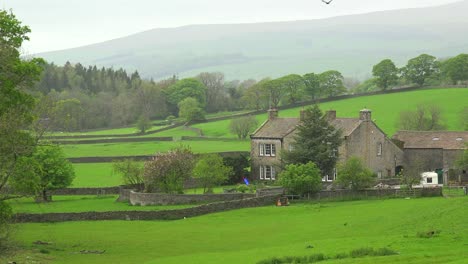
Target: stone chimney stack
x,y
272,113
365,115
330,115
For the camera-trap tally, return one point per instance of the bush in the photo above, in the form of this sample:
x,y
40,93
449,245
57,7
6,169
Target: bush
x,y
210,172
242,188
361,252
167,172
130,170
5,216
355,175
428,234
301,178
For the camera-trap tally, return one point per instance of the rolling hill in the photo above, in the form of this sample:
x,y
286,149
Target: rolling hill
x,y
350,44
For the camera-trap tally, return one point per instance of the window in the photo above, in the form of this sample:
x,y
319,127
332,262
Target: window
x,y
267,150
291,147
379,174
429,180
267,172
379,149
330,178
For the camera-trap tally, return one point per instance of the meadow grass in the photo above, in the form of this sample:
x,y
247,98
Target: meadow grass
x,y
95,175
253,234
81,203
385,108
150,148
113,131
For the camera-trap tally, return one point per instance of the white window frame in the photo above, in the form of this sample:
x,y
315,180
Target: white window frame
x,y
267,150
379,149
267,172
379,174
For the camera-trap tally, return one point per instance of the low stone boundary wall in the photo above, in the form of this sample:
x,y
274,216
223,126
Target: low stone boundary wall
x,y
143,199
350,194
144,157
148,215
95,190
111,140
270,191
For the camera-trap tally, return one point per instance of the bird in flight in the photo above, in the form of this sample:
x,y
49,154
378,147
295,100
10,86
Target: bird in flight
x,y
327,2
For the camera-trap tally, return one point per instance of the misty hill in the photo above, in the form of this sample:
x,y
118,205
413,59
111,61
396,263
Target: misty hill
x,y
350,44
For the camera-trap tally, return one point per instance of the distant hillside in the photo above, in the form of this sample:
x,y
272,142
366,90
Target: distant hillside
x,y
350,44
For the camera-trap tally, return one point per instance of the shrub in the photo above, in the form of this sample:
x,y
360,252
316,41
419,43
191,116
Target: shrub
x,y
167,172
361,252
5,215
355,175
301,178
428,234
242,188
211,172
130,170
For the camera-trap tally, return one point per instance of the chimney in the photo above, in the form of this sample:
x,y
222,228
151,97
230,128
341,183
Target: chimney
x,y
331,115
272,113
365,115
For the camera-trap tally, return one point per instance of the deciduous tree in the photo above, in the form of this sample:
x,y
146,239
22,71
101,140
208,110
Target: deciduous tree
x,y
190,110
312,85
130,170
331,83
242,126
456,68
385,73
419,69
211,171
167,172
426,117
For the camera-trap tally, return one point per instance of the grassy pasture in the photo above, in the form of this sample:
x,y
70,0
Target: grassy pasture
x,y
113,131
81,203
149,148
385,108
95,175
250,235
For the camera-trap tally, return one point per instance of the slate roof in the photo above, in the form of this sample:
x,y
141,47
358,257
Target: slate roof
x,y
433,139
278,128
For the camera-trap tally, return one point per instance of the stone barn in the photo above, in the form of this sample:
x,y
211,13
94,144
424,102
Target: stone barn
x,y
435,151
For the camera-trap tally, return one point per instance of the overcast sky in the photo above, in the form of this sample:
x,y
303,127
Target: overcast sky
x,y
61,24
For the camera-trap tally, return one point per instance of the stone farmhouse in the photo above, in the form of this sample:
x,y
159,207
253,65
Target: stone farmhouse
x,y
429,150
435,151
361,138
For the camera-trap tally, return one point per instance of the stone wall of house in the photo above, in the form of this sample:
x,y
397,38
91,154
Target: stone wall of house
x,y
364,143
143,199
428,159
148,215
258,160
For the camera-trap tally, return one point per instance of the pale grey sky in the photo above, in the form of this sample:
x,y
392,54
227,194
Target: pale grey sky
x,y
61,24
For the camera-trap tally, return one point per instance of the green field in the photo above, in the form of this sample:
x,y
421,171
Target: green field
x,y
385,108
250,235
150,148
95,175
81,203
113,131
